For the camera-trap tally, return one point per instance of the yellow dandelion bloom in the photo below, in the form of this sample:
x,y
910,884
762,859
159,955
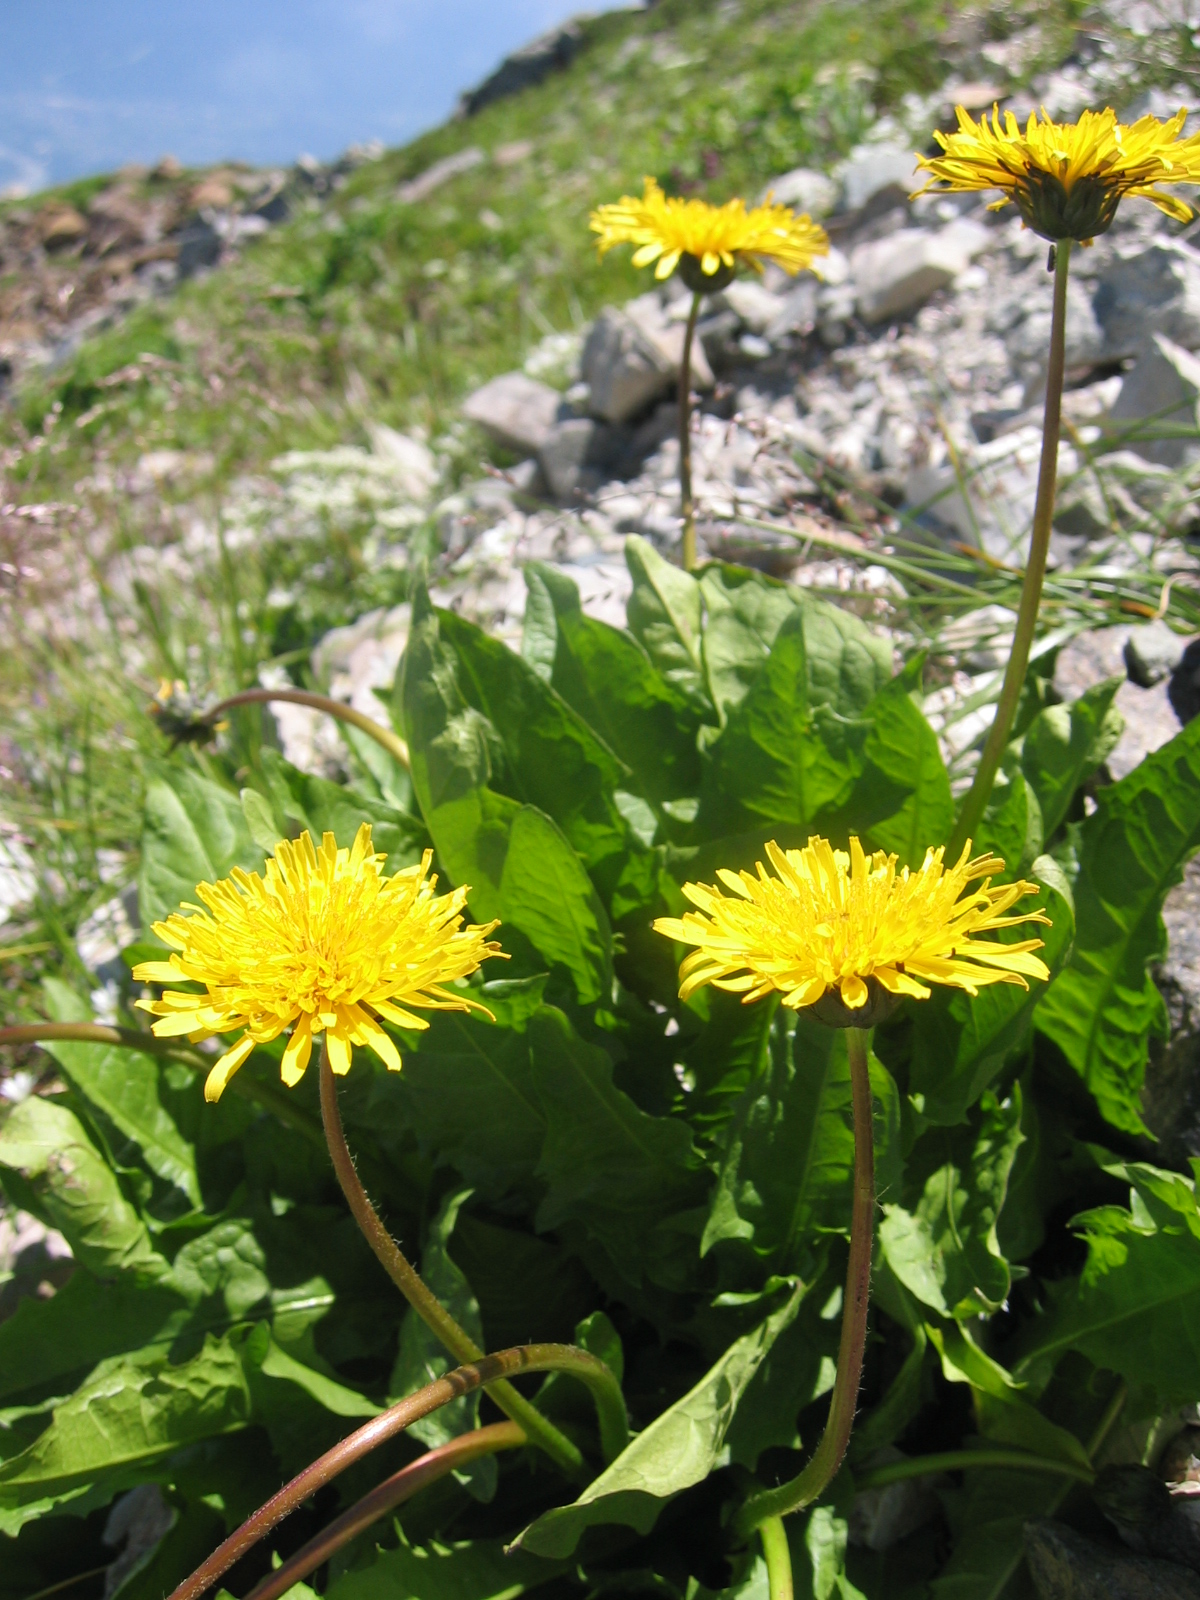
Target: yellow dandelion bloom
x,y
710,240
836,921
321,943
1067,178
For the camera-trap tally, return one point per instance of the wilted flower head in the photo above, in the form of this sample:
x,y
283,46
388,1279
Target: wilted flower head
x,y
707,243
852,923
1067,178
322,942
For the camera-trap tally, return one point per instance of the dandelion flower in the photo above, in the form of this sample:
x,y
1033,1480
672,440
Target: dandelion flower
x,y
322,942
707,242
1067,178
853,924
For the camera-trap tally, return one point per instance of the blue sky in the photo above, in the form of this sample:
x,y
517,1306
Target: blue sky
x,y
87,85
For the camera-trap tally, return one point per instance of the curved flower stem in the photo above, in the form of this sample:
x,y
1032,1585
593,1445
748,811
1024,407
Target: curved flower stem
x,y
391,742
463,1380
390,1493
609,1401
973,806
827,1458
685,439
964,1460
93,1033
777,1556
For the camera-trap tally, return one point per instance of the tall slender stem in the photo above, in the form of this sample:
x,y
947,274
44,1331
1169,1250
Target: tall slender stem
x,y
685,439
778,1558
389,1423
827,1458
391,742
1035,570
393,1491
423,1301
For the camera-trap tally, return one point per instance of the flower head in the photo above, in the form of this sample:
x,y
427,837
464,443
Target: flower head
x,y
1067,178
322,942
852,923
707,242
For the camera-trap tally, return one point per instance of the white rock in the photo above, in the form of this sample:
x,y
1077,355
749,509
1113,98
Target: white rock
x,y
632,356
1162,390
102,936
797,309
1152,290
572,454
666,329
515,410
352,662
624,368
18,883
896,274
757,307
871,170
413,460
804,190
440,172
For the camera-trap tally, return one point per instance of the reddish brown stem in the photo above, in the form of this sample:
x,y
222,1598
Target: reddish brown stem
x,y
464,1379
390,1493
827,1457
391,742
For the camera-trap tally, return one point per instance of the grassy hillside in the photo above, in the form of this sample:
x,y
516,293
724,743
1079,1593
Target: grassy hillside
x,y
362,309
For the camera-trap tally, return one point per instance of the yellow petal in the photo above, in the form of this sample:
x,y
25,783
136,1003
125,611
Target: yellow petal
x,y
299,1048
340,1053
214,1084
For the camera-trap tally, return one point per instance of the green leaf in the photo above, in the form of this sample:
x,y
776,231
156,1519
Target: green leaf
x,y
46,1344
847,664
1102,1008
474,1098
772,763
193,832
130,1413
482,1569
553,759
516,860
664,615
989,1520
323,807
617,1172
944,1249
52,1168
1012,823
961,1042
1135,1309
680,1447
422,1357
260,820
333,1396
904,781
126,1087
787,1162
1064,746
609,679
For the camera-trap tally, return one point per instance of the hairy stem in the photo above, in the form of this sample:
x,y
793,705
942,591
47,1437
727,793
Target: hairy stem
x,y
964,1460
685,439
973,806
463,1380
391,742
778,1558
386,1497
827,1458
610,1403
